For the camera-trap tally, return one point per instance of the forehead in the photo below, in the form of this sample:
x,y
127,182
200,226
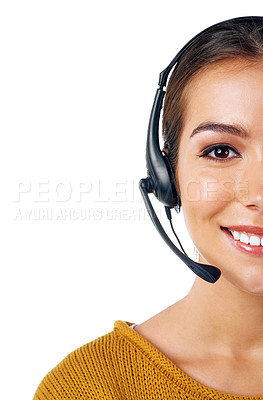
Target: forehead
x,y
226,90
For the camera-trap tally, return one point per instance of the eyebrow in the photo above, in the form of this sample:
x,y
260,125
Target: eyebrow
x,y
235,130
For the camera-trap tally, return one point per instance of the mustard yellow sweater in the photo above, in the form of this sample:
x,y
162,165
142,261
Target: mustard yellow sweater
x,y
122,365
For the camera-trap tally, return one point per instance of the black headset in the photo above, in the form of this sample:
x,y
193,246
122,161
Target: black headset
x,y
160,175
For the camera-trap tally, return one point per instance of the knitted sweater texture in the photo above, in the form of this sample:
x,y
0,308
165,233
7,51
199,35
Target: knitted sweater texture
x,y
122,365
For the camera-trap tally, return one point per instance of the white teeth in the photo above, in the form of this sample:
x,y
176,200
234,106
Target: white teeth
x,y
244,238
252,240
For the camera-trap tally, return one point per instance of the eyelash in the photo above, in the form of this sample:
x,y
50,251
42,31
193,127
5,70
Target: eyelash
x,y
215,147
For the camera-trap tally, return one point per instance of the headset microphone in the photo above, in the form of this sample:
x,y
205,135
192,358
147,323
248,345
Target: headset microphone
x,y
160,175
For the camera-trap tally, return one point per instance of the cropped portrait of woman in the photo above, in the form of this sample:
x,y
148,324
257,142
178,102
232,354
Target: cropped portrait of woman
x,y
209,344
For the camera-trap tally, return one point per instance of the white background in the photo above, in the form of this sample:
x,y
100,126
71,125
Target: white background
x,y
77,83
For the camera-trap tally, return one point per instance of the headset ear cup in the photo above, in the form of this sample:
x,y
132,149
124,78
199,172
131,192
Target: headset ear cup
x,y
175,200
161,179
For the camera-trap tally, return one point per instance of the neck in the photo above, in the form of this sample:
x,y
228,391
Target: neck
x,y
227,316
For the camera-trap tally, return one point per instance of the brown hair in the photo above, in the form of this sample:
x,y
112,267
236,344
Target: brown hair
x,y
239,39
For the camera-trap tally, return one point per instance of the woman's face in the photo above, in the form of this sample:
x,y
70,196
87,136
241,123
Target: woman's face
x,y
220,169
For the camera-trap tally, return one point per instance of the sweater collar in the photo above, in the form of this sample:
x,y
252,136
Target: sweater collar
x,y
190,386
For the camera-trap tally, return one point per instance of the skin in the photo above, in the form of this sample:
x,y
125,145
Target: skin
x,y
225,318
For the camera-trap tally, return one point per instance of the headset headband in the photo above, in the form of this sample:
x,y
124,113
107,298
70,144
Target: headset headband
x,y
164,74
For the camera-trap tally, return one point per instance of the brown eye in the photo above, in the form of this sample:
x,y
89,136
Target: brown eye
x,y
220,152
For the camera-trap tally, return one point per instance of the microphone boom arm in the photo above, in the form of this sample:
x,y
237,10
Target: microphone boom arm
x,y
207,272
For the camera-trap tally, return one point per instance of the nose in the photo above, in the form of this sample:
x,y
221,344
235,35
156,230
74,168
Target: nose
x,y
250,190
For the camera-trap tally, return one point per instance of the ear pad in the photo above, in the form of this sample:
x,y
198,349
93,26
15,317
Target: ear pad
x,y
161,180
174,197
161,177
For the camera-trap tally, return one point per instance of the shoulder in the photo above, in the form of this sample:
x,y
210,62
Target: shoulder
x,y
92,370
120,365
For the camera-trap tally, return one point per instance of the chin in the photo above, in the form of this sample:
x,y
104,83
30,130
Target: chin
x,y
246,278
252,284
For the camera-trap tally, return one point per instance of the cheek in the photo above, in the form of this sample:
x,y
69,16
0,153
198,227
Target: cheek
x,y
205,201
206,192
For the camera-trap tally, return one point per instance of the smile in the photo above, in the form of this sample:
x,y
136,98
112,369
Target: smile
x,y
249,243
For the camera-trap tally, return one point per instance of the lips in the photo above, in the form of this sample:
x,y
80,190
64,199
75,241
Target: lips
x,y
257,230
256,251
